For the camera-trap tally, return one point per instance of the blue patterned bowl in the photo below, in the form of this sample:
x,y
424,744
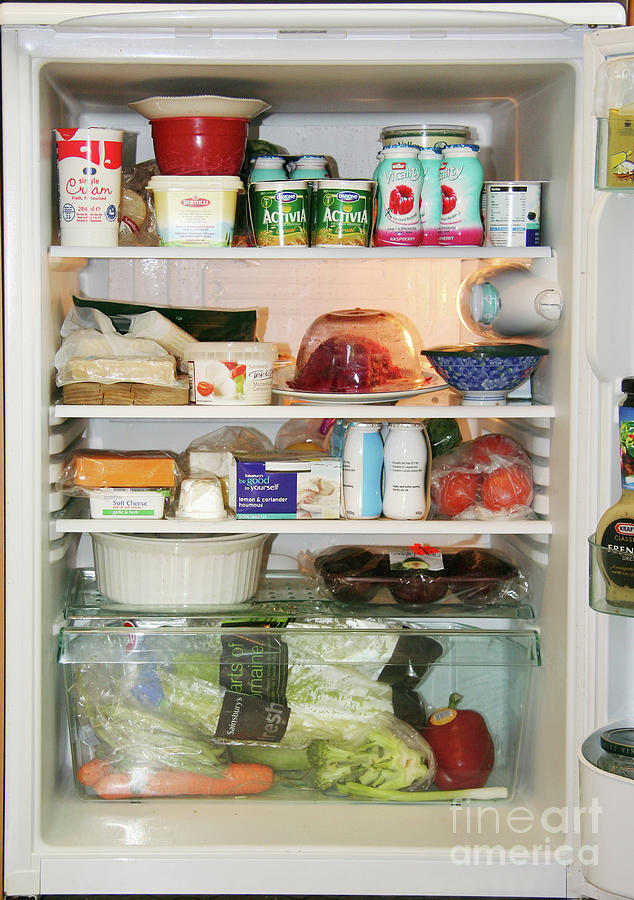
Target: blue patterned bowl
x,y
485,373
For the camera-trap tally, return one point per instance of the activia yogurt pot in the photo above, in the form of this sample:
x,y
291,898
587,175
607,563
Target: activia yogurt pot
x,y
342,213
195,210
230,372
279,213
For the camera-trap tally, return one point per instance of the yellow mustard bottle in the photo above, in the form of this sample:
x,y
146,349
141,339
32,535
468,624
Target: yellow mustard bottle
x,y
615,531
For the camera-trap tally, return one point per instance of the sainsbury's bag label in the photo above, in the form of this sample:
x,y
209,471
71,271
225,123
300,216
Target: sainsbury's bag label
x,y
254,673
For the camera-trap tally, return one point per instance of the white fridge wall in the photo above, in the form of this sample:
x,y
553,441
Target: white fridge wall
x,y
523,93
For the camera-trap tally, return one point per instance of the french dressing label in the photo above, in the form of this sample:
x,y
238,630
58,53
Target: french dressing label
x,y
618,564
254,673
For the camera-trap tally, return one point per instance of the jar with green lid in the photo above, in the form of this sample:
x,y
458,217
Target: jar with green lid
x,y
618,758
424,135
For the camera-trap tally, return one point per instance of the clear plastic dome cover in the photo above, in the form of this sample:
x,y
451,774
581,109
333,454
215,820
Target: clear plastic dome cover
x,y
358,351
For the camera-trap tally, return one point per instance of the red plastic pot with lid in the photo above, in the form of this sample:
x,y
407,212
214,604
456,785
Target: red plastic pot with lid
x,y
199,145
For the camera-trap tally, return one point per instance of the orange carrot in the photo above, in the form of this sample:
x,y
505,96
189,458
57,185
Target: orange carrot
x,y
90,773
237,778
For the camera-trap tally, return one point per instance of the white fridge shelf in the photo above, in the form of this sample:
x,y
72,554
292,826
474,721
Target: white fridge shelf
x,y
332,527
67,257
518,410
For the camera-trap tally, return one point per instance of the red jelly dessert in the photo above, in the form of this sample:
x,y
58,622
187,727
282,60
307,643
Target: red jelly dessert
x,y
343,364
357,351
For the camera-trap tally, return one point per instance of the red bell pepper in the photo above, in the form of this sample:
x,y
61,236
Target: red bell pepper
x,y
462,746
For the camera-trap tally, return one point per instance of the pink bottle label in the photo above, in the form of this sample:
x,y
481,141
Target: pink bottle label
x,y
461,186
398,202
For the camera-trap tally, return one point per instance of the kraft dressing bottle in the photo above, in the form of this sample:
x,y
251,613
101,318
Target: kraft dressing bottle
x,y
615,531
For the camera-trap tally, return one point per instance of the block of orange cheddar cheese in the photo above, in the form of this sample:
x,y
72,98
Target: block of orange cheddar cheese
x,y
90,469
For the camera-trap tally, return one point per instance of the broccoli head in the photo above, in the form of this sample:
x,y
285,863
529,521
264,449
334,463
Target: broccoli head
x,y
383,760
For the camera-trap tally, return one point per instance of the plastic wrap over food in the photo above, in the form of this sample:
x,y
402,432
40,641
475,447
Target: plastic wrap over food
x,y
154,326
89,470
92,350
150,720
212,453
137,217
419,574
487,478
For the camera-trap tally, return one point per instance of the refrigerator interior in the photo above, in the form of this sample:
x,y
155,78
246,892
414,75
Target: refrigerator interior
x,y
522,97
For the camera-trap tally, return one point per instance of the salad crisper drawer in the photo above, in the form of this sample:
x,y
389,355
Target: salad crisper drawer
x,y
335,711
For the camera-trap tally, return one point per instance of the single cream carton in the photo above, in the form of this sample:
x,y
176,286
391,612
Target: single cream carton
x,y
285,486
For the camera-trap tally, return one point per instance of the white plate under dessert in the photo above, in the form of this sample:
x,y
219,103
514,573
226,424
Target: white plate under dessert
x,y
203,105
281,387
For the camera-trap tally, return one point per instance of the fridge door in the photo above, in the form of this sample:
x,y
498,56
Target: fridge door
x,y
605,663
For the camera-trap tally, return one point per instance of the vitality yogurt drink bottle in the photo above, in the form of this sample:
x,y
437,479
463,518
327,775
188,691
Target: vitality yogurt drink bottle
x,y
399,176
461,181
431,195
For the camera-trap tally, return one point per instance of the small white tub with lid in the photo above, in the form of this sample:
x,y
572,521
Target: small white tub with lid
x,y
195,210
230,372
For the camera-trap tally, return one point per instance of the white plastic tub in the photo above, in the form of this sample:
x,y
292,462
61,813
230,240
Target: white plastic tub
x,y
226,372
606,803
146,570
195,210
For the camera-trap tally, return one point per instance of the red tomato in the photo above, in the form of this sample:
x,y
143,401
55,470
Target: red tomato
x,y
204,388
507,486
402,200
239,370
454,492
488,445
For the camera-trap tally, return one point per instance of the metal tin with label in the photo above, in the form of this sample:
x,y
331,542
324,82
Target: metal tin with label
x,y
513,213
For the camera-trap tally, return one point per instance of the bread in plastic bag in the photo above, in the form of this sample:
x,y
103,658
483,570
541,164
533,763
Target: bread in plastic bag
x,y
137,217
